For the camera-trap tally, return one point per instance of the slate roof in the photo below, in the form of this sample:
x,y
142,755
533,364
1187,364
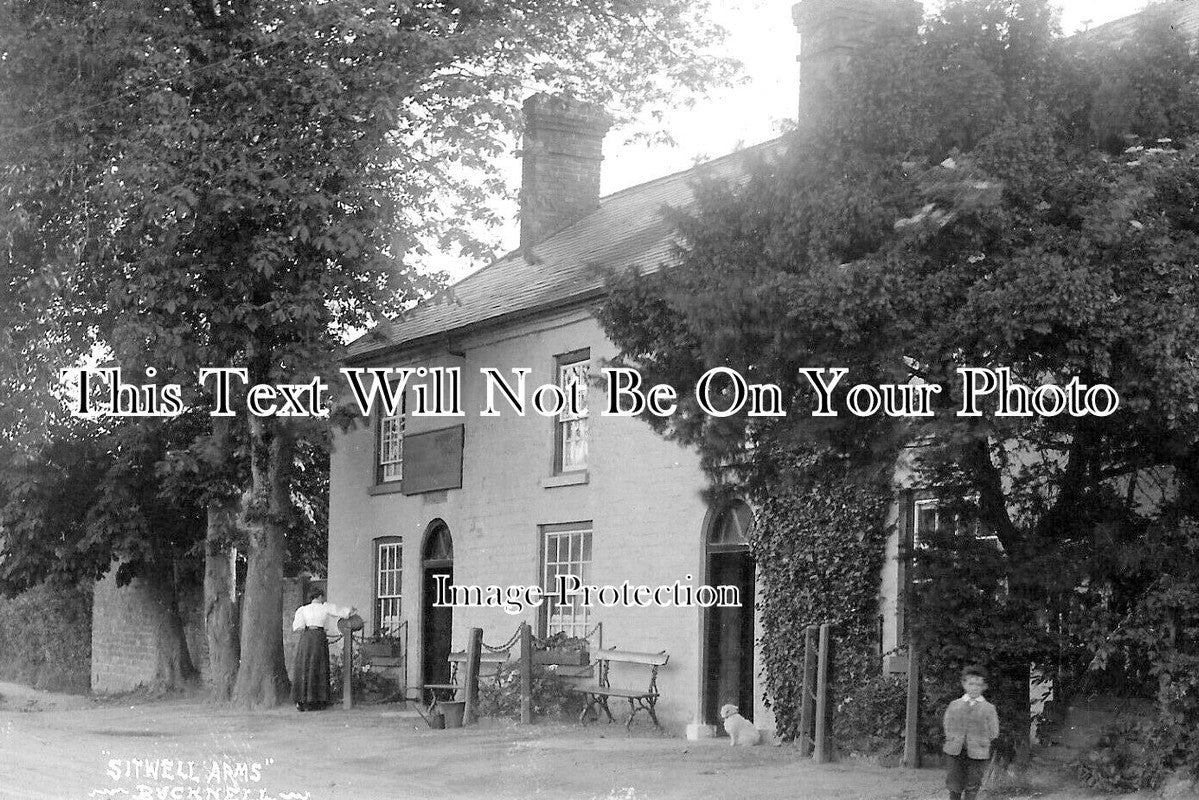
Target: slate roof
x,y
628,230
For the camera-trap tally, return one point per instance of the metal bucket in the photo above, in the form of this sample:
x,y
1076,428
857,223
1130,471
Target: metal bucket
x,y
452,711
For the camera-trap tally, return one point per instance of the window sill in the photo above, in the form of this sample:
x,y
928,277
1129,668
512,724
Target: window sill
x,y
391,487
576,478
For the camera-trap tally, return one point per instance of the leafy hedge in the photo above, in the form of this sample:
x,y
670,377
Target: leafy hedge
x,y
869,719
46,638
819,544
1129,757
1155,642
552,697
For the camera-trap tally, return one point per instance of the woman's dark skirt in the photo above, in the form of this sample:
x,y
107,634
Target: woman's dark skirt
x,y
310,679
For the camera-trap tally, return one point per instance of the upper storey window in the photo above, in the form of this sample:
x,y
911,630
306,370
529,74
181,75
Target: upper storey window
x,y
390,462
572,430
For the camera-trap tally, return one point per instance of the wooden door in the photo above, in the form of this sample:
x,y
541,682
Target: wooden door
x,y
437,622
437,629
729,645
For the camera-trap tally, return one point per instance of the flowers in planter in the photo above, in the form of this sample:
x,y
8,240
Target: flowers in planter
x,y
559,648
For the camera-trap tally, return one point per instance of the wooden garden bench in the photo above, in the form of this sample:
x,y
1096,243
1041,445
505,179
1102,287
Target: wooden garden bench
x,y
639,699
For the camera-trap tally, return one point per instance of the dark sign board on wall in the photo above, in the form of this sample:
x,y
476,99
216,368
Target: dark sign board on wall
x,y
433,460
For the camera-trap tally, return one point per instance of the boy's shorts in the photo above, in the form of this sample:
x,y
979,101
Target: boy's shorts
x,y
965,774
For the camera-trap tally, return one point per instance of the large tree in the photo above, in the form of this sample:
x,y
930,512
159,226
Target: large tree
x,y
979,194
247,181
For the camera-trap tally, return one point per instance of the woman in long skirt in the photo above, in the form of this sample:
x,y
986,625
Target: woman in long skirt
x,y
310,678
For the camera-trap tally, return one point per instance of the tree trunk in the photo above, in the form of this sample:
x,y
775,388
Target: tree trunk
x,y
220,599
173,669
1014,705
262,676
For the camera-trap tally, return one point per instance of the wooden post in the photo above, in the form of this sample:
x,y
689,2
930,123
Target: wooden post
x,y
907,624
911,727
808,693
821,754
474,648
526,674
347,668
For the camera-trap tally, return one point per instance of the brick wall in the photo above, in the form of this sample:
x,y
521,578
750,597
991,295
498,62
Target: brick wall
x,y
123,648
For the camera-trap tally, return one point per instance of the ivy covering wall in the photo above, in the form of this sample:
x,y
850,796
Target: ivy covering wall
x,y
819,542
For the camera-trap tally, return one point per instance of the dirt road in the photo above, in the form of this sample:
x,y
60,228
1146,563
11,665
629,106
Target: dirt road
x,y
61,748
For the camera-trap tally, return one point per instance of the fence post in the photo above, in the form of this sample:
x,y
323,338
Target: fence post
x,y
347,668
820,756
474,648
808,693
911,727
526,674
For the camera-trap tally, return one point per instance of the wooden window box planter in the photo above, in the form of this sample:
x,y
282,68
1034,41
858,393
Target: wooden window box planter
x,y
566,658
382,650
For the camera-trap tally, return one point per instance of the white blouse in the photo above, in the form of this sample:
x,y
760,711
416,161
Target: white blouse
x,y
315,615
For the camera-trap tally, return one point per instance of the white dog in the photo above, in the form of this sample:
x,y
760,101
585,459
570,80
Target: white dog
x,y
740,730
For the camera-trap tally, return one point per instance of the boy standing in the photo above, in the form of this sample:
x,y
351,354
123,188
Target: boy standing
x,y
971,723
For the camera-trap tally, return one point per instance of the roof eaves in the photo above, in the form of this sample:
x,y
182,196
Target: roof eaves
x,y
423,342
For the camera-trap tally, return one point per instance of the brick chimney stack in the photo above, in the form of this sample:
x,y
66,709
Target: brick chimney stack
x,y
562,152
831,30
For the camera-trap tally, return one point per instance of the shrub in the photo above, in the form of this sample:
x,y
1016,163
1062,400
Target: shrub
x,y
1127,758
46,638
869,719
366,683
500,697
1157,642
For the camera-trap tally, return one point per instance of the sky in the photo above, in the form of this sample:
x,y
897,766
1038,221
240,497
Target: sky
x,y
763,38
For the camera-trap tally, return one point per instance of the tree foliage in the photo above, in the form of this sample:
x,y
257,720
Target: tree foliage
x,y
186,175
978,194
211,183
90,497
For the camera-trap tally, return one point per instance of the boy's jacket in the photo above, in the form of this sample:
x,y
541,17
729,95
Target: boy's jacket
x,y
972,726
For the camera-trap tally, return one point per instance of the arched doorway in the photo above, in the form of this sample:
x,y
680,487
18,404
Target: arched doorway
x,y
729,632
437,622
